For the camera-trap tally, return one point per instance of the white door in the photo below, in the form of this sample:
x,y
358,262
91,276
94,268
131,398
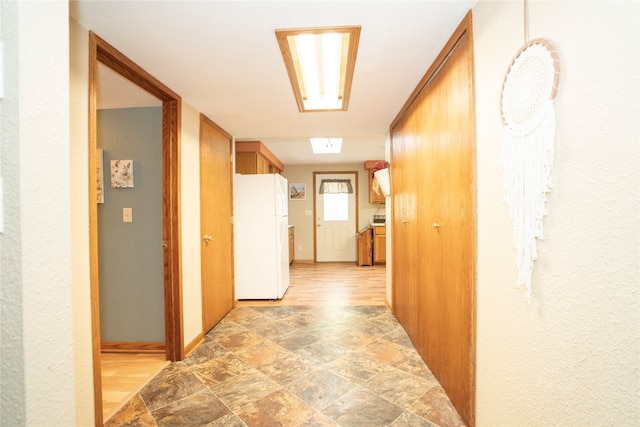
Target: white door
x,y
336,221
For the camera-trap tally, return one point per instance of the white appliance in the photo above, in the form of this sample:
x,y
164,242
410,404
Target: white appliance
x,y
261,236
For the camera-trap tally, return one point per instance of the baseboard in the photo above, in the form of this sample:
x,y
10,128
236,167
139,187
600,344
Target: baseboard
x,y
199,339
132,347
302,261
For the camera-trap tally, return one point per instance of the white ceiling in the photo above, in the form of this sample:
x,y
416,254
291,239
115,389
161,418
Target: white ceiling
x,y
222,57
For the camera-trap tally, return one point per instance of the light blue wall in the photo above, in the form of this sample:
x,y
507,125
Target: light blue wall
x,y
130,254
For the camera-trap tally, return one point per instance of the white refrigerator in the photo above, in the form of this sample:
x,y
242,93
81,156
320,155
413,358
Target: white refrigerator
x,y
261,236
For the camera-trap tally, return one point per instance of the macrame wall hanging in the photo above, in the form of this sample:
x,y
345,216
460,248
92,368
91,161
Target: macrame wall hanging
x,y
529,125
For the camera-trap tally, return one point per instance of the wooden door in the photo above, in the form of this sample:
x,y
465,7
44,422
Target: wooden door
x,y
441,122
216,228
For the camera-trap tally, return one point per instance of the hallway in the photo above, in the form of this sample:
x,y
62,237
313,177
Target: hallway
x,y
321,356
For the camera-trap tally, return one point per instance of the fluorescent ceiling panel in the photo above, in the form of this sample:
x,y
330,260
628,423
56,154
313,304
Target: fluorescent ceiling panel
x,y
320,64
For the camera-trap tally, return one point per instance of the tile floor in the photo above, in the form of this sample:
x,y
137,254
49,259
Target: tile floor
x,y
296,366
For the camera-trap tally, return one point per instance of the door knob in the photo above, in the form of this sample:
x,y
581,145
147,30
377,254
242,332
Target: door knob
x,y
207,238
436,226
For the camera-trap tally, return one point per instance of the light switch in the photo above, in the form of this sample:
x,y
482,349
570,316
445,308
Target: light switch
x,y
127,215
308,212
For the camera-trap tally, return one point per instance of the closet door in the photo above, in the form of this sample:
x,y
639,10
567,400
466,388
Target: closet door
x,y
405,247
434,144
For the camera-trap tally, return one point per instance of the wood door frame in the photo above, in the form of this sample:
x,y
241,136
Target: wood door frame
x,y
315,216
102,52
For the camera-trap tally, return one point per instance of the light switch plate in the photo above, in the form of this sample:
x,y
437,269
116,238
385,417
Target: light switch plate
x,y
127,215
308,212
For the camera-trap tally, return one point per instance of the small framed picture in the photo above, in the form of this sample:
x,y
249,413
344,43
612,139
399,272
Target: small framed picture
x,y
121,173
297,191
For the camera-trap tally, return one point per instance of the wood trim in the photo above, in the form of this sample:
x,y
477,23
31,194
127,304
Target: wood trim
x,y
199,339
93,231
259,147
103,52
132,347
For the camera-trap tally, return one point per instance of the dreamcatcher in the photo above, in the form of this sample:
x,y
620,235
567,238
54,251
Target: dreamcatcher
x,y
528,117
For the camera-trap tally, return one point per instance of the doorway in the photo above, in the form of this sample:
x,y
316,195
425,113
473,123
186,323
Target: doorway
x,y
335,203
103,53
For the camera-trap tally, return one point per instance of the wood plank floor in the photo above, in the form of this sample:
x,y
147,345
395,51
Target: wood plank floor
x,y
124,374
323,284
331,284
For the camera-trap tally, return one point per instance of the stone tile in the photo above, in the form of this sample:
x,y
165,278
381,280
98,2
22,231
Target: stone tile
x,y
321,352
263,353
384,351
412,363
355,367
362,408
244,389
279,408
205,352
374,327
352,340
399,387
239,341
436,407
221,369
287,369
409,419
321,388
198,410
319,420
133,413
223,329
167,389
270,329
229,420
399,336
295,340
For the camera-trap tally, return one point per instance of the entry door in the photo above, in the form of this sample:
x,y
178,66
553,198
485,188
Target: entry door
x,y
336,227
216,228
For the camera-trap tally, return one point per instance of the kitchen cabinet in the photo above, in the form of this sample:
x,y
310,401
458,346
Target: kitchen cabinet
x,y
375,194
379,244
253,157
292,243
365,248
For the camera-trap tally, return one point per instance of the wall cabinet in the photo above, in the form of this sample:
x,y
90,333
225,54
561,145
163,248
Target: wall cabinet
x,y
253,157
379,244
292,244
375,194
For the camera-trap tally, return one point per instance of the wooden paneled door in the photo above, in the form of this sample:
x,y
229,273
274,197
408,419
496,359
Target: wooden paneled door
x,y
433,158
216,228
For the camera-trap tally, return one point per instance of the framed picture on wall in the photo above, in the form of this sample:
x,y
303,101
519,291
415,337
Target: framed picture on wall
x,y
297,191
121,173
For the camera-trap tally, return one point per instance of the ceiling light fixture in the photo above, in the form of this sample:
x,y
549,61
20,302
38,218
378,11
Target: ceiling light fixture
x,y
320,63
326,145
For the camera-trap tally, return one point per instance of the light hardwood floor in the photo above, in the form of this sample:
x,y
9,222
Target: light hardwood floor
x,y
323,284
124,374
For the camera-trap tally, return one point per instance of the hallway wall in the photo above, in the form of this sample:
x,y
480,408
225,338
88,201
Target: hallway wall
x,y
37,345
571,356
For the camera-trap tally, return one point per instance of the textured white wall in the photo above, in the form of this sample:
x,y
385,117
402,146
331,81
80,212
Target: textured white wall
x,y
190,214
45,213
571,357
81,282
